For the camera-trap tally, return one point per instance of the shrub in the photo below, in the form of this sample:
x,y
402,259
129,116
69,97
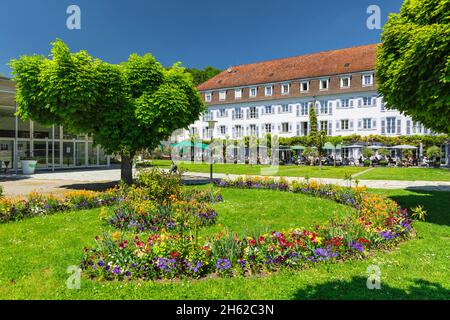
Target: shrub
x,y
434,152
159,184
367,152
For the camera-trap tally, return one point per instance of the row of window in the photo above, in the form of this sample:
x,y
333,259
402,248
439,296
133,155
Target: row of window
x,y
322,107
389,125
324,84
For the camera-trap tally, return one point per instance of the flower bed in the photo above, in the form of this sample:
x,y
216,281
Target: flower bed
x,y
39,204
141,214
377,222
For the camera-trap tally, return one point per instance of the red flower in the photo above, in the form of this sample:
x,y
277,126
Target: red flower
x,y
174,254
362,240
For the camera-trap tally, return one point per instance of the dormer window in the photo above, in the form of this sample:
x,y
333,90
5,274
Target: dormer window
x,y
222,95
268,91
238,93
253,92
285,88
345,82
324,83
208,96
367,80
304,86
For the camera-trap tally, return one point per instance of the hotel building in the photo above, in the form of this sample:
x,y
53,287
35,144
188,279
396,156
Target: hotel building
x,y
274,97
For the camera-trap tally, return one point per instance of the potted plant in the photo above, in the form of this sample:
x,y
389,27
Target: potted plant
x,y
434,153
28,164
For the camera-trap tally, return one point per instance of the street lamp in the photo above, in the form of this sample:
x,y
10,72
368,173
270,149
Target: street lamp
x,y
211,125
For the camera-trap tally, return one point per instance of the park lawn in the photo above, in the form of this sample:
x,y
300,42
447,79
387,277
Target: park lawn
x,y
411,174
264,170
35,254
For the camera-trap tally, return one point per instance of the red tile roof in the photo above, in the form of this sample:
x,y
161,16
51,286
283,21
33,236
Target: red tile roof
x,y
341,61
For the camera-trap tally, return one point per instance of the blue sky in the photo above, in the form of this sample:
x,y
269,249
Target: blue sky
x,y
196,32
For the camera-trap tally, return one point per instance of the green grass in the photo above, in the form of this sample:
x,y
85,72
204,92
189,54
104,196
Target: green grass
x,y
412,174
35,254
288,171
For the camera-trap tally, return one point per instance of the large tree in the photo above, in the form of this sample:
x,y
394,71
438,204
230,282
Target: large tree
x,y
413,62
126,107
201,76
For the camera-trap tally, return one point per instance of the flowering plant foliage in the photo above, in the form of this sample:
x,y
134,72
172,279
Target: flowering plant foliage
x,y
41,204
377,222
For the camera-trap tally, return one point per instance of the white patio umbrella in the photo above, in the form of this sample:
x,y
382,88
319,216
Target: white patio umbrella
x,y
404,147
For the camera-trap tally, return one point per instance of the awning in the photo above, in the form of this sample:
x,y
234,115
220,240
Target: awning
x,y
298,148
404,147
189,144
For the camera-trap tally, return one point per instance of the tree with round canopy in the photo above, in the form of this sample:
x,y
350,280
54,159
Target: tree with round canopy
x,y
125,107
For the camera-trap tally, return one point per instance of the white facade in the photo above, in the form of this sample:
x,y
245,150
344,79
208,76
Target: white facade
x,y
362,113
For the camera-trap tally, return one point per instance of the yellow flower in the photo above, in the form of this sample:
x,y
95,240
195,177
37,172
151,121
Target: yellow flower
x,y
116,235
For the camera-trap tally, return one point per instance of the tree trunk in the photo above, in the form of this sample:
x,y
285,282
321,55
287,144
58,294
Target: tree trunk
x,y
126,169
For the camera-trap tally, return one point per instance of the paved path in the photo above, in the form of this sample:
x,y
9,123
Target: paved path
x,y
63,181
362,172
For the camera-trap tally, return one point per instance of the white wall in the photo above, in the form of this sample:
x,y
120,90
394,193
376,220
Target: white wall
x,y
355,114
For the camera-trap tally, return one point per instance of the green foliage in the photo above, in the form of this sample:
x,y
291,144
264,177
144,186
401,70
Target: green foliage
x,y
226,246
419,213
312,119
367,152
199,76
159,184
413,63
415,140
126,108
434,152
383,152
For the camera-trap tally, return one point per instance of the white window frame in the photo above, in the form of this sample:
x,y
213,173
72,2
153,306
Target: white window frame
x,y
266,89
282,125
224,131
283,85
237,94
307,86
341,124
364,78
250,92
342,82
222,95
367,121
208,96
321,84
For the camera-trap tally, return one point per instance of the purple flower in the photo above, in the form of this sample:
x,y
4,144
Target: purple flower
x,y
223,264
356,246
101,263
116,270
